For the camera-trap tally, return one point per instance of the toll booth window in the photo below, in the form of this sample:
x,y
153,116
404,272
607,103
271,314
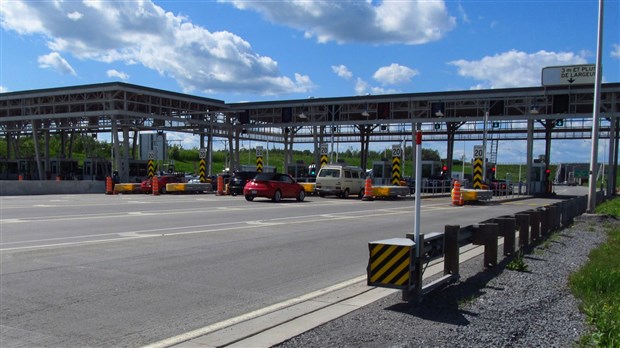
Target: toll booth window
x,y
347,174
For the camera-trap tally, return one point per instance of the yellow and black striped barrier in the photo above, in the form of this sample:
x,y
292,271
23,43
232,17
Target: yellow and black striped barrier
x,y
390,263
127,188
189,188
308,187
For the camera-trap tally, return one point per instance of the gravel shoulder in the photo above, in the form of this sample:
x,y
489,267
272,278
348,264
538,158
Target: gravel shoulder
x,y
485,308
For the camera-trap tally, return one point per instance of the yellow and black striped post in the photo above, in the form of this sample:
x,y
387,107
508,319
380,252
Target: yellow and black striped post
x,y
259,159
202,165
202,170
478,173
390,263
150,169
323,153
395,170
396,153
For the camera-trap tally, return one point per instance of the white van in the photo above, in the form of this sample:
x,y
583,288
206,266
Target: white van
x,y
340,180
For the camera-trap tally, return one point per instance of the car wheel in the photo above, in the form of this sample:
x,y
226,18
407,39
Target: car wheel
x,y
321,194
301,196
233,193
361,194
249,198
277,196
345,194
163,190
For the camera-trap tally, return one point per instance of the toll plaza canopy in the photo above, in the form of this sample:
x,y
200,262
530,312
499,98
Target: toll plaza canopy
x,y
532,113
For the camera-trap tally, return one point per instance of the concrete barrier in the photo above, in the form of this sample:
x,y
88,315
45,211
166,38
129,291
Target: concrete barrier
x,y
49,187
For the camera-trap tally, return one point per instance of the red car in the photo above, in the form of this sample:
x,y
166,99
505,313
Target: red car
x,y
275,186
162,180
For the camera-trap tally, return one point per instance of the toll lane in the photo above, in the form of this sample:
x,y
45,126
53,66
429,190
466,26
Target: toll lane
x,y
107,271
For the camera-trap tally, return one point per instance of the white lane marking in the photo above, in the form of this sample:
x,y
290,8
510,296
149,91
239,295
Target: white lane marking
x,y
227,226
251,315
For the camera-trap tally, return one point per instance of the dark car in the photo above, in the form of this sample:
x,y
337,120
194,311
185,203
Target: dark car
x,y
147,185
238,181
275,186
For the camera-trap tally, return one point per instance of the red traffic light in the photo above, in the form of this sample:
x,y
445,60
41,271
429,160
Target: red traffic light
x,y
493,169
547,171
445,168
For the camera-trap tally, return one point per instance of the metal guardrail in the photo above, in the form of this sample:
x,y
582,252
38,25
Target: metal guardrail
x,y
531,226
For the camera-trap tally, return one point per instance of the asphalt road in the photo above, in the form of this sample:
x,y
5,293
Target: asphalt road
x,y
130,270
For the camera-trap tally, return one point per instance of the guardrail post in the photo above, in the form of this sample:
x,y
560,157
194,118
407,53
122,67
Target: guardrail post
x,y
571,211
552,218
451,249
535,225
507,229
486,235
414,293
523,222
544,221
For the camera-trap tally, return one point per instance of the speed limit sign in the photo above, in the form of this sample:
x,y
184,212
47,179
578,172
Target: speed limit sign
x,y
396,151
478,151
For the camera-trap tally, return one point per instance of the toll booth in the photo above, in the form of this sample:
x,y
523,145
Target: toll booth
x,y
96,169
381,172
299,171
252,168
431,169
8,169
65,169
537,186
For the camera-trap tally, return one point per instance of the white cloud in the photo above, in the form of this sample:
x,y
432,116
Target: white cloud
x,y
55,61
115,73
380,22
140,32
342,71
362,87
394,74
615,52
514,68
75,15
3,89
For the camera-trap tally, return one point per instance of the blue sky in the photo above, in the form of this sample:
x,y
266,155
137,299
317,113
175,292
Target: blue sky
x,y
279,49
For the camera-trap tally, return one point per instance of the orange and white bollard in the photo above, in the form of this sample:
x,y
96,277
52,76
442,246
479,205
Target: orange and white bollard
x,y
155,186
109,188
368,190
220,185
457,198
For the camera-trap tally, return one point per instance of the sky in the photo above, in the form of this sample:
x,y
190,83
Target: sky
x,y
260,50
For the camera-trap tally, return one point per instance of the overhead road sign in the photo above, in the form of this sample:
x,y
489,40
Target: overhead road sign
x,y
568,75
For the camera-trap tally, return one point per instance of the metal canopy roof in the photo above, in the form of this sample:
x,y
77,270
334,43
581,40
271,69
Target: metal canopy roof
x,y
389,117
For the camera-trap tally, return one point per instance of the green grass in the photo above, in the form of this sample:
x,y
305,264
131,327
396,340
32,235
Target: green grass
x,y
517,263
597,285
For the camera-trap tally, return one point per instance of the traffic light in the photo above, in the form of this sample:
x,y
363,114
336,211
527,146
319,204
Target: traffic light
x,y
444,170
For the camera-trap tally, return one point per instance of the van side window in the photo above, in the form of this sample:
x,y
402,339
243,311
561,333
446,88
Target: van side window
x,y
347,174
356,174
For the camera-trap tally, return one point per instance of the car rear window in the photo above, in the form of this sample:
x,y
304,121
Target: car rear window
x,y
327,173
266,176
